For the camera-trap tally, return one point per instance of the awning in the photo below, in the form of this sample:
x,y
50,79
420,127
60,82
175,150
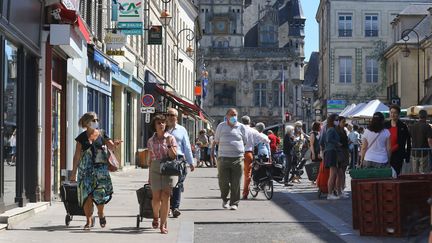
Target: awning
x,y
83,29
184,104
100,58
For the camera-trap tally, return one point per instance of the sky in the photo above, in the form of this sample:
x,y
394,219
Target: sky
x,y
311,29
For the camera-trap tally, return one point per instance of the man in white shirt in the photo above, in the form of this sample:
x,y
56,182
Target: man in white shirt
x,y
231,136
254,137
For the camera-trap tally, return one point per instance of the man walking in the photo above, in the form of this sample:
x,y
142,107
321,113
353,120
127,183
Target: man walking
x,y
400,139
231,136
254,137
184,151
421,134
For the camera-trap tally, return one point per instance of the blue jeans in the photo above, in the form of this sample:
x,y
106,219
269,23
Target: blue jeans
x,y
177,190
354,156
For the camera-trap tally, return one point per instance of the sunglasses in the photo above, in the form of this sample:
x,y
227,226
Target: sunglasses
x,y
95,120
160,122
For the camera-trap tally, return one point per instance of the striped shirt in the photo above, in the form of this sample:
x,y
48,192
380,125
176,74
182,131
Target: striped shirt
x,y
231,140
158,147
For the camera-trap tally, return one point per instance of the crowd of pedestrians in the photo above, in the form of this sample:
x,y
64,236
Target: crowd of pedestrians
x,y
335,143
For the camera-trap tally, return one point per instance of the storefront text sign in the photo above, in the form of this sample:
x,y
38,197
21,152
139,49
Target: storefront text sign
x,y
115,41
155,35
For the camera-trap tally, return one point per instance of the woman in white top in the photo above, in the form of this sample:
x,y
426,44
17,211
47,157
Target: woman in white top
x,y
375,149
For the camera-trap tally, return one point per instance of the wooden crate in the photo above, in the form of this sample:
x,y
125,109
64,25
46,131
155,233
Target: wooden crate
x,y
355,199
400,203
368,208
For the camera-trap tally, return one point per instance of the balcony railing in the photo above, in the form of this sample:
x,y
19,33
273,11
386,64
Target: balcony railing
x,y
369,33
345,33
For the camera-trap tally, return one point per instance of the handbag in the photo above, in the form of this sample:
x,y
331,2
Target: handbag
x,y
172,167
113,163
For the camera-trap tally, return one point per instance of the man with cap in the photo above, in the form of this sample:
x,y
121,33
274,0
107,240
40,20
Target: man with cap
x,y
421,134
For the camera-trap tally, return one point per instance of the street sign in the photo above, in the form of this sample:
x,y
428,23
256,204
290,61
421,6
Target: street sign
x,y
155,35
147,118
147,100
395,101
148,110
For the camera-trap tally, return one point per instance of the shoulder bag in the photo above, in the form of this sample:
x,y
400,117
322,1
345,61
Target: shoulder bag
x,y
113,163
171,167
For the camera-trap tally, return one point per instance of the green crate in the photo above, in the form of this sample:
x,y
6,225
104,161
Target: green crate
x,y
370,173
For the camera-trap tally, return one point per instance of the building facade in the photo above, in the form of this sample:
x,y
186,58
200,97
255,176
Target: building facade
x,y
353,38
249,47
408,59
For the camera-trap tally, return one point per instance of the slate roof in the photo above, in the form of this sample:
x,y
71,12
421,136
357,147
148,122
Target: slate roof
x,y
312,71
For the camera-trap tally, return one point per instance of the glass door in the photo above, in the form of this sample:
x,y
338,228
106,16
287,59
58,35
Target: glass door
x,y
9,121
55,145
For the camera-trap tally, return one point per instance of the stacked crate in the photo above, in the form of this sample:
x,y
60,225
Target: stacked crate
x,y
401,203
355,192
368,213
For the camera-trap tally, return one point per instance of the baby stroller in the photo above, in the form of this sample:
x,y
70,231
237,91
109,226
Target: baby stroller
x,y
278,168
69,197
261,177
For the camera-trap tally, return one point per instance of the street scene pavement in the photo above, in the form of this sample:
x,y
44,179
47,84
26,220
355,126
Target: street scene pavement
x,y
295,214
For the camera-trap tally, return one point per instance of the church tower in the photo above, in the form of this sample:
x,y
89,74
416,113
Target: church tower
x,y
222,23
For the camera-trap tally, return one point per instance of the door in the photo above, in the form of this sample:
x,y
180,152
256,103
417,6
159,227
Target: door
x,y
9,123
56,135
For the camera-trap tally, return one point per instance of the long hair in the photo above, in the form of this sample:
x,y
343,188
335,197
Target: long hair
x,y
377,122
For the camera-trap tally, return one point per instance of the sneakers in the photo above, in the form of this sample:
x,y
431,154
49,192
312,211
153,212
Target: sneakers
x,y
332,197
225,204
170,213
176,212
343,195
234,207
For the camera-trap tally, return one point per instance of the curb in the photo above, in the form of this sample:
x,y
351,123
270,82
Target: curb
x,y
11,217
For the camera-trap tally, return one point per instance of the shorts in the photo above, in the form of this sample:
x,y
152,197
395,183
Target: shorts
x,y
330,159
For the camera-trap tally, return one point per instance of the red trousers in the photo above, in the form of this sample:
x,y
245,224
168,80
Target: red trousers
x,y
247,171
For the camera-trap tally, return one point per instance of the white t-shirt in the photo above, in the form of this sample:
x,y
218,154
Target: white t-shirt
x,y
378,151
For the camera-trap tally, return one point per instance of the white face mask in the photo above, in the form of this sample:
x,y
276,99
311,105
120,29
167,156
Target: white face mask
x,y
94,125
336,123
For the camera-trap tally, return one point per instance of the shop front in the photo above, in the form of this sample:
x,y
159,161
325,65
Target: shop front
x,y
20,51
126,91
189,114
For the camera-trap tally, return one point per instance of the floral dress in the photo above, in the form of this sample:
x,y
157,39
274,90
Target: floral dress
x,y
93,176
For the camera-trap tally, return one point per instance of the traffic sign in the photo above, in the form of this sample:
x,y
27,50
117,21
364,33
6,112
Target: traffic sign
x,y
148,110
147,118
147,100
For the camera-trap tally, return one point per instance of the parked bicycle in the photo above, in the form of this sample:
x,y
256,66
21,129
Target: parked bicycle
x,y
262,179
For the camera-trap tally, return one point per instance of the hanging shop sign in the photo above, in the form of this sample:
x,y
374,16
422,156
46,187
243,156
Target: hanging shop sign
x,y
130,11
115,41
115,52
71,4
130,16
155,35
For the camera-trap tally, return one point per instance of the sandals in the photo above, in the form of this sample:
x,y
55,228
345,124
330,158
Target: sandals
x,y
102,222
87,227
163,229
155,223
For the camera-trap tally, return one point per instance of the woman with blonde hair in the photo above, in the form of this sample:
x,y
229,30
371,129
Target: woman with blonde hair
x,y
162,146
90,161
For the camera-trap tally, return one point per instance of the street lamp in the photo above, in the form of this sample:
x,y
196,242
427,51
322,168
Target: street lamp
x,y
406,52
165,19
189,50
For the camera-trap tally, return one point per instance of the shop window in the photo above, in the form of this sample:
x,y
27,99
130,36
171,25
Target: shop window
x,y
9,125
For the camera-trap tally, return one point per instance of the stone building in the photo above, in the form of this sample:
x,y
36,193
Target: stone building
x,y
353,37
409,73
248,47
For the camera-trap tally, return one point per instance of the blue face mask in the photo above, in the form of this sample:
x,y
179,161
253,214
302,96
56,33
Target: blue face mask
x,y
233,119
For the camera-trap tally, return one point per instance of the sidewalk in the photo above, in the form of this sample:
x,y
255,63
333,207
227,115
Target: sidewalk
x,y
291,216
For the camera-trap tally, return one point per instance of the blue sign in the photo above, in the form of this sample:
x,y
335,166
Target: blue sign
x,y
130,25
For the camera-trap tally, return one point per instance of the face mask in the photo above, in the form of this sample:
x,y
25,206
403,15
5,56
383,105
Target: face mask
x,y
336,123
94,125
233,119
